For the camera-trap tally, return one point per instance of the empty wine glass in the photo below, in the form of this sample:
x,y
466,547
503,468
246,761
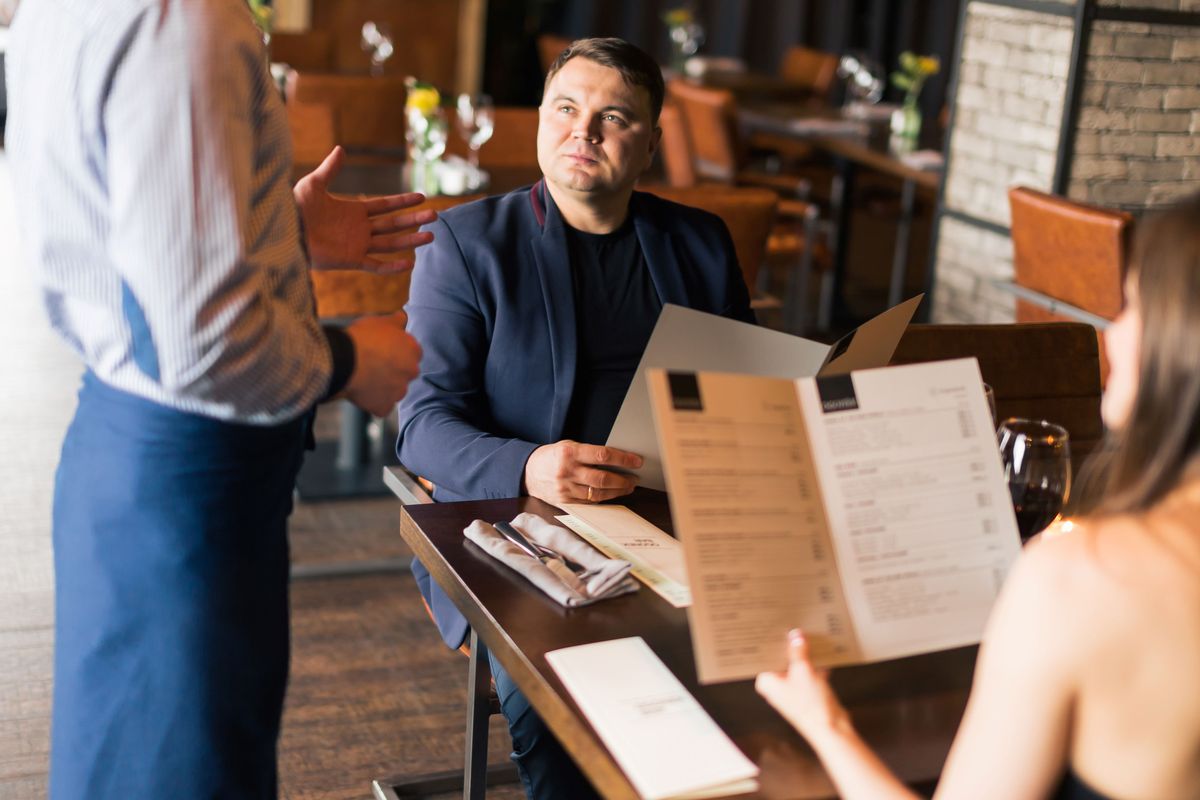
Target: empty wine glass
x,y
476,122
377,43
1037,466
864,80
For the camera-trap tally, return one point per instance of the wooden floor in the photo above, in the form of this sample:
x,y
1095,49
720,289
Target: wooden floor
x,y
373,692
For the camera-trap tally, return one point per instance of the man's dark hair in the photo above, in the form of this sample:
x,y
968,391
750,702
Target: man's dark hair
x,y
636,66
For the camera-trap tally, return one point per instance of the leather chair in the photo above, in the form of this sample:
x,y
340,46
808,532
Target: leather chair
x,y
368,111
1070,256
310,50
700,146
313,133
513,142
812,69
549,46
1041,370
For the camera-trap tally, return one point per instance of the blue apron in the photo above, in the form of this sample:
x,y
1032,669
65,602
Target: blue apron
x,y
171,579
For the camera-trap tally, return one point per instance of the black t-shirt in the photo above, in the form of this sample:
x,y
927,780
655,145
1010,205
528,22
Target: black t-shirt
x,y
616,306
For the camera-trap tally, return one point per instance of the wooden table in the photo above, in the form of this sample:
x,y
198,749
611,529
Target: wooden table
x,y
378,175
870,149
907,709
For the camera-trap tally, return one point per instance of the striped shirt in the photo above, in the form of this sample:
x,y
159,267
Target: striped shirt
x,y
151,164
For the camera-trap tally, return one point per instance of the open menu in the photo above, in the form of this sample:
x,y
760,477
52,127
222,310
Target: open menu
x,y
686,339
868,509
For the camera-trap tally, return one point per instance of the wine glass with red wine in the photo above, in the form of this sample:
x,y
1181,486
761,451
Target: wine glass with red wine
x,y
1037,466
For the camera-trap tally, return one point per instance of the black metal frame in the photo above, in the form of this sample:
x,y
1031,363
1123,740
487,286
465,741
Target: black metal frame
x,y
1085,13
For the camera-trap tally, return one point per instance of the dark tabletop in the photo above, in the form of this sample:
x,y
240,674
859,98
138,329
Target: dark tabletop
x,y
908,709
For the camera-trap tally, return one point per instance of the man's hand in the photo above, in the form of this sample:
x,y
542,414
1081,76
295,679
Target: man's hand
x,y
348,233
386,358
570,472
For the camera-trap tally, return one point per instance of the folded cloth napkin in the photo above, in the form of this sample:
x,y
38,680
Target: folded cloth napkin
x,y
601,577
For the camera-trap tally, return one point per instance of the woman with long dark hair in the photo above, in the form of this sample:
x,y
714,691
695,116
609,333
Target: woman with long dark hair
x,y
1088,678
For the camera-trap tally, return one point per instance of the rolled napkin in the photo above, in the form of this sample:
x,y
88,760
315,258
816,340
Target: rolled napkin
x,y
600,578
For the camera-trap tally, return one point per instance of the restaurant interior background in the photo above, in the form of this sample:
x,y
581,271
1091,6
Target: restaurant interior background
x,y
1095,100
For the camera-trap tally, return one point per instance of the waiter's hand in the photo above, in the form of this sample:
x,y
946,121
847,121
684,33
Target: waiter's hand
x,y
352,233
385,360
570,472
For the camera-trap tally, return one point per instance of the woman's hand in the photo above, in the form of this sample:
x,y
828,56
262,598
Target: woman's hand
x,y
803,694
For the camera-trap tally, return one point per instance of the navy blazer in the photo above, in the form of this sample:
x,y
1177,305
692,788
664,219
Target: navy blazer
x,y
492,305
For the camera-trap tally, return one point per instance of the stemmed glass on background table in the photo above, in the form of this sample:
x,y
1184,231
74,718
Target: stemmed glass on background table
x,y
1037,466
476,121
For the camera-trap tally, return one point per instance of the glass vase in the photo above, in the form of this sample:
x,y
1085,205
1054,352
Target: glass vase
x,y
906,122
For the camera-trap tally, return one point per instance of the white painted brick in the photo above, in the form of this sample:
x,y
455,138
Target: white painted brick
x,y
1052,39
1041,88
1038,135
1004,31
999,78
973,97
1024,108
985,52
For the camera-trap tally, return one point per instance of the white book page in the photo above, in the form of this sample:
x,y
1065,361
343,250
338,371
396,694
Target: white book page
x,y
665,742
916,501
746,507
686,339
619,532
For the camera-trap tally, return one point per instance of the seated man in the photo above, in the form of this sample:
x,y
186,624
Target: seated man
x,y
533,310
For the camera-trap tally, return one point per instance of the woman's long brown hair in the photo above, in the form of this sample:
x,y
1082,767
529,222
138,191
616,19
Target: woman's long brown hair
x,y
1159,446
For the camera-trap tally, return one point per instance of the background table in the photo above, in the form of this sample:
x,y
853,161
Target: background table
x,y
907,709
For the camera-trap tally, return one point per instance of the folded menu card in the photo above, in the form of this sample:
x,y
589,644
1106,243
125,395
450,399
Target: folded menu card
x,y
620,533
869,509
662,739
684,339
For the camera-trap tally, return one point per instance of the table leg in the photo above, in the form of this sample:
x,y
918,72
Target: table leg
x,y
908,194
479,684
350,467
841,195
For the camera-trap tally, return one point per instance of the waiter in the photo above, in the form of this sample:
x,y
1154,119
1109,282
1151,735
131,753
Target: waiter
x,y
151,160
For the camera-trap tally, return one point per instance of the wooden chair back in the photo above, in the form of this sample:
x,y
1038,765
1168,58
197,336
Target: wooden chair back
x,y
513,142
313,134
549,46
352,293
675,149
812,69
367,111
710,117
311,51
748,214
1068,251
1045,370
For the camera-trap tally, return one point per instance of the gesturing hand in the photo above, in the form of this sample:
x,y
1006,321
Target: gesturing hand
x,y
351,233
570,472
802,694
386,358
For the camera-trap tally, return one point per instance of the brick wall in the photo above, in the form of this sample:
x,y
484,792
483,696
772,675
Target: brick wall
x,y
1008,108
1136,142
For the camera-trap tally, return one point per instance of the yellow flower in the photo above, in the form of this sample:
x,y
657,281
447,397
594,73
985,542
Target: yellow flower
x,y
677,17
928,65
423,99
